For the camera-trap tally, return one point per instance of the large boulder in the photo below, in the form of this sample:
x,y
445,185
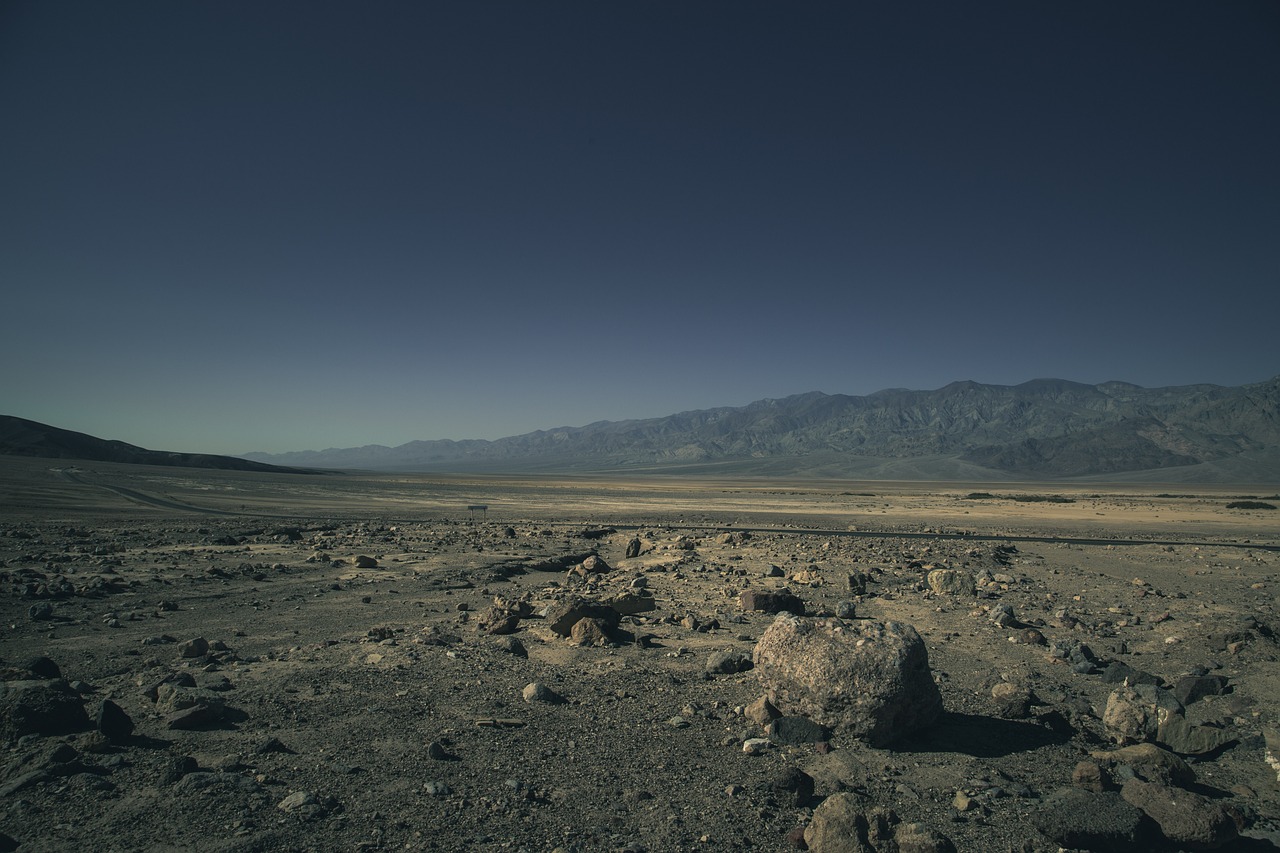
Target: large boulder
x,y
1187,819
951,582
40,708
1104,822
869,680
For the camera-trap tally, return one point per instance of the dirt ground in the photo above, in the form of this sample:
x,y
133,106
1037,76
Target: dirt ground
x,y
365,708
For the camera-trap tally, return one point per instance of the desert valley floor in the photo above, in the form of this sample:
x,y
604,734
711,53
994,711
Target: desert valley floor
x,y
368,662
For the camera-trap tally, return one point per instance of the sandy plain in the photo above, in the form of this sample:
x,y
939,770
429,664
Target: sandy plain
x,y
364,709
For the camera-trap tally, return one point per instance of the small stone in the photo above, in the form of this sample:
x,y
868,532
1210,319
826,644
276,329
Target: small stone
x,y
1091,776
536,691
1013,701
41,611
297,800
756,745
792,787
513,646
761,712
363,561
436,789
199,716
197,647
273,745
496,620
728,662
797,730
178,767
590,631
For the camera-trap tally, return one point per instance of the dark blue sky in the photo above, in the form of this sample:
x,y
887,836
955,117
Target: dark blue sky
x,y
235,226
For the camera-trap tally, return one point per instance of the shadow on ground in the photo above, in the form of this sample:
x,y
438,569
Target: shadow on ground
x,y
982,737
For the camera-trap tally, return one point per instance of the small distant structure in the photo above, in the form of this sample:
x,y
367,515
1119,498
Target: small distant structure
x,y
483,509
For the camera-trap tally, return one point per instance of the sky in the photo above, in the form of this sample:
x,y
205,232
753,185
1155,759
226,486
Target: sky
x,y
239,226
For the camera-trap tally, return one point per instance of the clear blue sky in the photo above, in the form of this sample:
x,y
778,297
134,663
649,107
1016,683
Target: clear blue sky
x,y
235,226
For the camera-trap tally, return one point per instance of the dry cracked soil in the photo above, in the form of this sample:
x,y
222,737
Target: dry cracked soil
x,y
248,683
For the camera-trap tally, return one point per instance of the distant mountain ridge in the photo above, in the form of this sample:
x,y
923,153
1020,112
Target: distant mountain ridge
x,y
1045,428
21,437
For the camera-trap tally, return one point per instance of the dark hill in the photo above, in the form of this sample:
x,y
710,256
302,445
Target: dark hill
x,y
21,437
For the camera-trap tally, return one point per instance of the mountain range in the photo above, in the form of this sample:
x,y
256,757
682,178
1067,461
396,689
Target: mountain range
x,y
1042,429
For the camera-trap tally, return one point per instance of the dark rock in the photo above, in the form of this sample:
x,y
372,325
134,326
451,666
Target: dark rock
x,y
496,620
633,548
273,744
1013,701
1194,687
178,767
631,603
564,614
1184,817
1103,822
591,631
513,646
113,722
41,611
918,838
1148,762
593,565
798,730
1091,776
792,787
196,647
42,668
199,716
40,708
1177,734
1117,672
728,662
364,561
771,601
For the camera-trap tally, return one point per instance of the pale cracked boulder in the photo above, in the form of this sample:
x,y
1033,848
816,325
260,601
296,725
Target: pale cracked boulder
x,y
951,582
869,680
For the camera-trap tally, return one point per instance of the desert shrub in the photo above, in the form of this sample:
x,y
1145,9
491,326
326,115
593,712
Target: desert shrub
x,y
973,496
1249,505
1052,499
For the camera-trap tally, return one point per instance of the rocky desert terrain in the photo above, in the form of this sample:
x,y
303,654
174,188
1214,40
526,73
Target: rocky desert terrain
x,y
213,660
